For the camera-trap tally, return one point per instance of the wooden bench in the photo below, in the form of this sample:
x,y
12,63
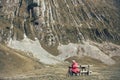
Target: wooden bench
x,y
85,69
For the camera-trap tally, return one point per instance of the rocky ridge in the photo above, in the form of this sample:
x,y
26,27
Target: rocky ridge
x,y
56,22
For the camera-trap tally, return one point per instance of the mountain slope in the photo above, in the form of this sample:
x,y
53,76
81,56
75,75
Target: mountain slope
x,y
34,33
12,62
55,21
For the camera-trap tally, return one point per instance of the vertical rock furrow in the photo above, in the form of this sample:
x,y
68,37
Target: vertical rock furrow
x,y
57,21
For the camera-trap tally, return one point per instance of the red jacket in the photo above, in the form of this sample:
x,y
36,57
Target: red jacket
x,y
75,67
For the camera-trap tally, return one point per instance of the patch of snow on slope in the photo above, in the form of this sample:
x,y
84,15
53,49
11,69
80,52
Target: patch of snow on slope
x,y
67,51
110,48
35,48
94,52
85,49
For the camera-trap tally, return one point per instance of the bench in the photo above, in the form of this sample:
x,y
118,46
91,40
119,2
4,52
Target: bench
x,y
85,69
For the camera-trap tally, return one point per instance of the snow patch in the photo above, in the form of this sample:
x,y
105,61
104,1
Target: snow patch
x,y
85,49
67,51
35,48
43,7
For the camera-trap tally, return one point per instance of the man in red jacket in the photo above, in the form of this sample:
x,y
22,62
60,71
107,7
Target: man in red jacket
x,y
74,68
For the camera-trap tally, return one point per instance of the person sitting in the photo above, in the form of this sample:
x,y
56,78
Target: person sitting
x,y
74,69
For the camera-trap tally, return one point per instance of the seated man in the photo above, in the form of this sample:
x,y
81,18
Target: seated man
x,y
74,69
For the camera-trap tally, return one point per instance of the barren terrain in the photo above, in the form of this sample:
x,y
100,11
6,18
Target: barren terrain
x,y
60,73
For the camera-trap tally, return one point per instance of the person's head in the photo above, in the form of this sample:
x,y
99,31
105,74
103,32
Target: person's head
x,y
73,61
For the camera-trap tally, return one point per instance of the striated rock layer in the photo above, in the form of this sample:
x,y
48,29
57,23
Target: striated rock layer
x,y
56,22
60,21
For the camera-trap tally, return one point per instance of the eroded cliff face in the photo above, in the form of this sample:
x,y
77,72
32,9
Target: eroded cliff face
x,y
55,22
60,21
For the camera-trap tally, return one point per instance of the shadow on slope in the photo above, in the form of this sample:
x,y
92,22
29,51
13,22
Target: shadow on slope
x,y
13,62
